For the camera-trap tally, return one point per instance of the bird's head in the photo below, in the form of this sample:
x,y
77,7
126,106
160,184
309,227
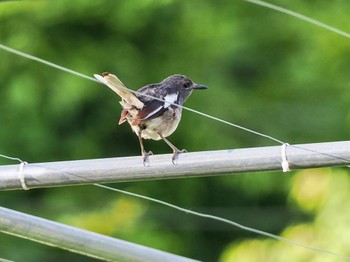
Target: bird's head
x,y
182,85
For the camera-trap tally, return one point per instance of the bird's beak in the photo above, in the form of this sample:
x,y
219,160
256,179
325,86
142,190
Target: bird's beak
x,y
198,86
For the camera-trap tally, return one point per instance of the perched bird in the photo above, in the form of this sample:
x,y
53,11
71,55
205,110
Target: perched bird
x,y
153,111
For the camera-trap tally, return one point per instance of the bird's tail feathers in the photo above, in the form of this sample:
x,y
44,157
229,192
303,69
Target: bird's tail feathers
x,y
113,82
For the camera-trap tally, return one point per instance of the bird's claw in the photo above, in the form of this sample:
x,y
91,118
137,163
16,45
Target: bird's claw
x,y
145,156
176,155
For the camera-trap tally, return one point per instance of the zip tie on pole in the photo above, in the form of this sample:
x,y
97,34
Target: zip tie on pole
x,y
21,175
284,163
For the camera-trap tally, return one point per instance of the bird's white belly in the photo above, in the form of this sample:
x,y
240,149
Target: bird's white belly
x,y
165,125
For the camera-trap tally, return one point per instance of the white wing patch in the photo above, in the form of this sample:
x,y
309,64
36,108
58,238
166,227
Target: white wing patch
x,y
152,113
169,99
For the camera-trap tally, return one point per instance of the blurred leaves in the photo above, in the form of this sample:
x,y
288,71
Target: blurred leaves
x,y
265,70
122,214
323,192
310,190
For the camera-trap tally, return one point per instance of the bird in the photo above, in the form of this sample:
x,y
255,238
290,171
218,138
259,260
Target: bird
x,y
153,111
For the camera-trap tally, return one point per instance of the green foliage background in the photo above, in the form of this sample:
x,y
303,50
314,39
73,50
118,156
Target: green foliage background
x,y
265,71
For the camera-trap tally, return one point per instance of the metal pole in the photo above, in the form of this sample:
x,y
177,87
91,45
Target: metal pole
x,y
207,163
79,240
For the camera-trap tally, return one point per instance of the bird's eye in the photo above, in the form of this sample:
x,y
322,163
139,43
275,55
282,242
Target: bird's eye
x,y
187,84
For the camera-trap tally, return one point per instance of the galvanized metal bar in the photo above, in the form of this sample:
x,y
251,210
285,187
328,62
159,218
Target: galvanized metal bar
x,y
78,240
207,163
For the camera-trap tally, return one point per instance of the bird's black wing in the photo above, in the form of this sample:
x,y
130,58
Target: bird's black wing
x,y
153,107
153,90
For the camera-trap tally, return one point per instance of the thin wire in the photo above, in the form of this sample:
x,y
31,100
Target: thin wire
x,y
233,125
300,16
12,158
9,49
204,114
227,221
14,51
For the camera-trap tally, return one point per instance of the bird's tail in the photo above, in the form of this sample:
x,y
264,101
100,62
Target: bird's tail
x,y
113,82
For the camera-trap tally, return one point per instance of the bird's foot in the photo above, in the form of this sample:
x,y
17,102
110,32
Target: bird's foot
x,y
176,155
145,156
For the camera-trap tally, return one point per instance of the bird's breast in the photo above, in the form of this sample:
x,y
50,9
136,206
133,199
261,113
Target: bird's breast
x,y
165,124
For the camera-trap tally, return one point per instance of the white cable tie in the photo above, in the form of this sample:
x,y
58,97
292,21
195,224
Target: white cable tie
x,y
21,175
285,164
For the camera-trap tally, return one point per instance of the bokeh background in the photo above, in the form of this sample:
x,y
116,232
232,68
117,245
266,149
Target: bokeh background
x,y
265,70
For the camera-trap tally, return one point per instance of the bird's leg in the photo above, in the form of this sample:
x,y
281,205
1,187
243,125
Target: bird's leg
x,y
145,154
176,152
